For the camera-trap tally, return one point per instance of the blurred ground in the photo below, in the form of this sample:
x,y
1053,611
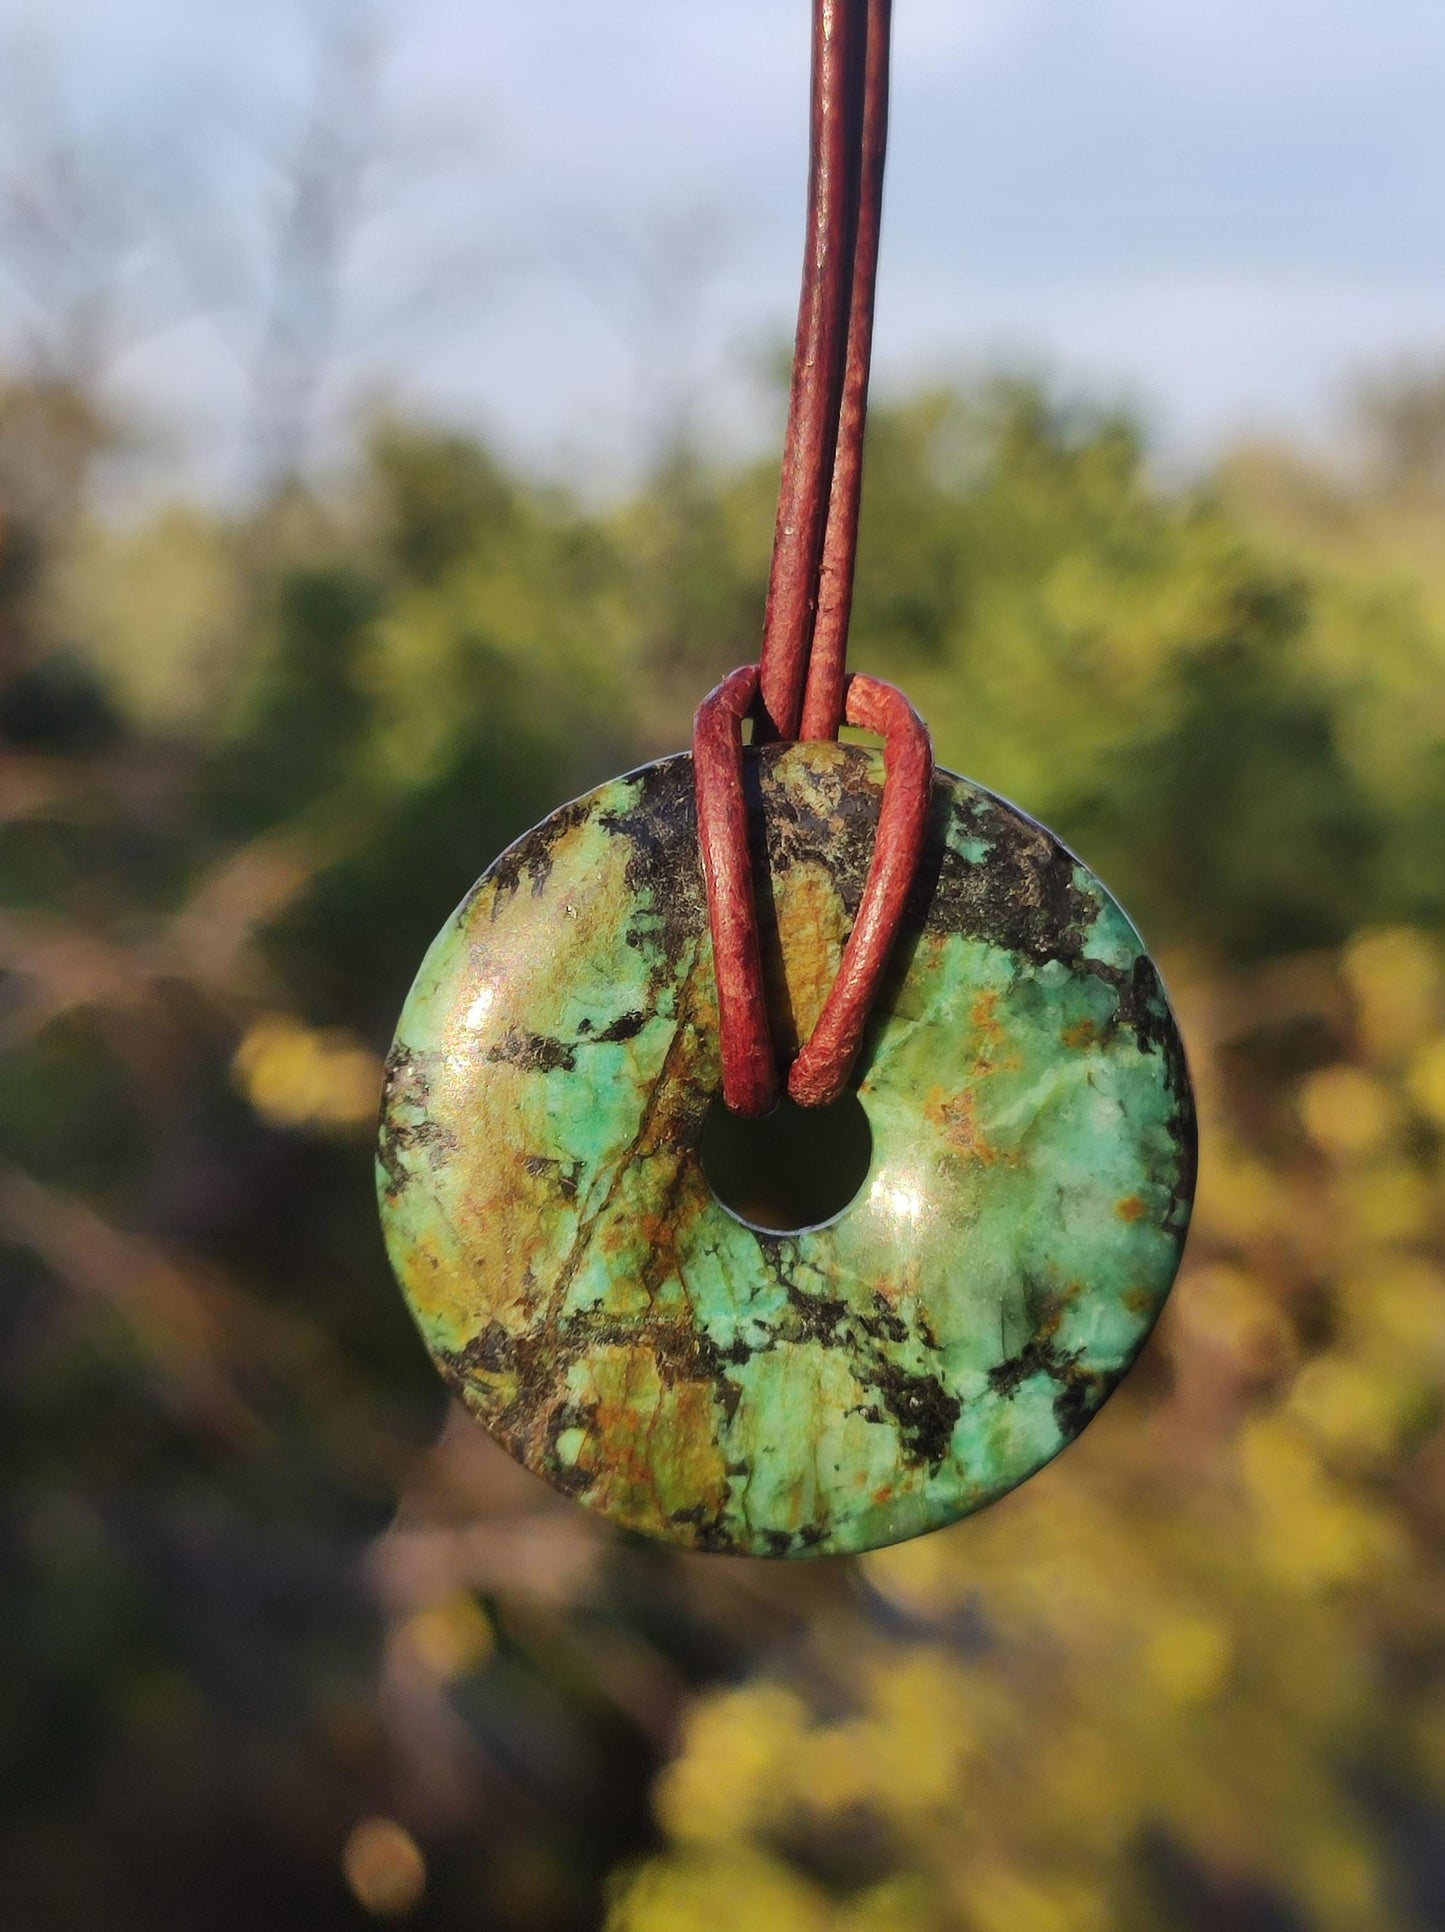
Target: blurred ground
x,y
286,1641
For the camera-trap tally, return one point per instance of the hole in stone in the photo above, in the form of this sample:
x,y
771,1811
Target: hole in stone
x,y
799,1167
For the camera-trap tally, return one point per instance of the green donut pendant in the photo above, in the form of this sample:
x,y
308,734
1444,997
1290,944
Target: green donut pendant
x,y
728,1388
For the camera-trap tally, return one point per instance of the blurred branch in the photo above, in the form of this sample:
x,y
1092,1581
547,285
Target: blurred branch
x,y
321,205
650,277
185,1329
225,1363
76,248
348,186
210,943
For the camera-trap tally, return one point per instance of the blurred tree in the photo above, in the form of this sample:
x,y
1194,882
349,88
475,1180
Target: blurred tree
x,y
282,1645
1402,418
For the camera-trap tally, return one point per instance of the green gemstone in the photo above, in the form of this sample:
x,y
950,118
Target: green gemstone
x,y
713,1383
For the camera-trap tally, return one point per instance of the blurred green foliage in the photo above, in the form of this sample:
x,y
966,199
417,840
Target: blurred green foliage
x,y
283,1640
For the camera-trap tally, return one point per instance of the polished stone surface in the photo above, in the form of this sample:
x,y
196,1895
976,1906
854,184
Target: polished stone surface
x,y
713,1383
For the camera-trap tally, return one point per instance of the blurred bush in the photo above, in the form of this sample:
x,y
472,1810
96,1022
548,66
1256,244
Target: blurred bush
x,y
286,1641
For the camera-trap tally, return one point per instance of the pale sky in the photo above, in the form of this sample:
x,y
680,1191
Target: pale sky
x,y
1220,210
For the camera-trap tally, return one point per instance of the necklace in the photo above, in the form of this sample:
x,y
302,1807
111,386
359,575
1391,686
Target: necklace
x,y
932,965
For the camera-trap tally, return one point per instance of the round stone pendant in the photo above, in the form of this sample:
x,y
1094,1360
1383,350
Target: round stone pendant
x,y
1026,1174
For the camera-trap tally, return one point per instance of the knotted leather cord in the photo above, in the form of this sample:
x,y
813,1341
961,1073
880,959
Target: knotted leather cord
x,y
801,682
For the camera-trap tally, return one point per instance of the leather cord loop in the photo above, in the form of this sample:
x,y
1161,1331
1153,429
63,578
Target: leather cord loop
x,y
820,1072
800,683
750,1080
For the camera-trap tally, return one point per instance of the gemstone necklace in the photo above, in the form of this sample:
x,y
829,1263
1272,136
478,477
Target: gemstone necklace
x,y
978,1052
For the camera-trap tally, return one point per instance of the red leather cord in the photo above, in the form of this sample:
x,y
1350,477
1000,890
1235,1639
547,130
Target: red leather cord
x,y
818,356
750,1077
823,700
821,1070
801,681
